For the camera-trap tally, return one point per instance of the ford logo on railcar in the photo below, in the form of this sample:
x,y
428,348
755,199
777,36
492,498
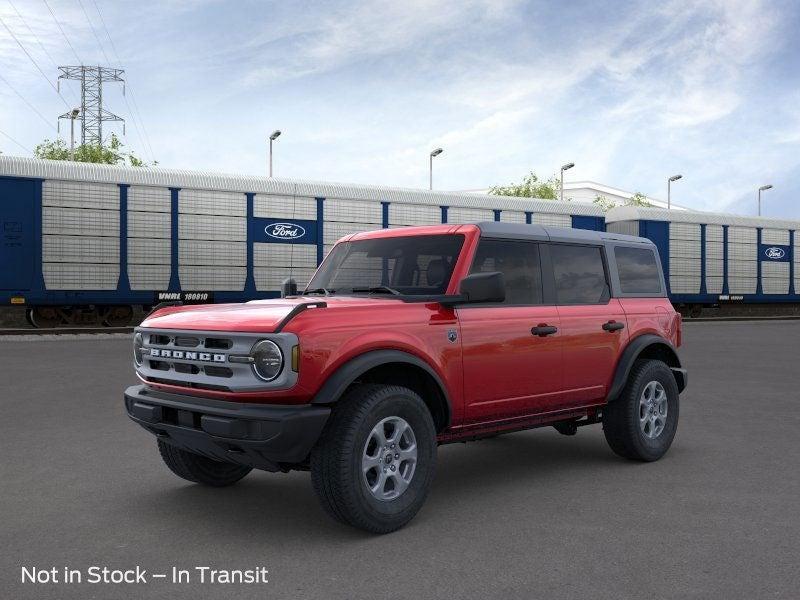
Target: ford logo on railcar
x,y
285,231
775,253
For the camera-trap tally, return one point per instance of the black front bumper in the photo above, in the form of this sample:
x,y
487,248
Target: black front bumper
x,y
267,437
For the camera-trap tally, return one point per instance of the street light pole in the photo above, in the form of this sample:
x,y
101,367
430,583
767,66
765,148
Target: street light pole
x,y
669,189
436,152
564,168
762,189
272,138
72,116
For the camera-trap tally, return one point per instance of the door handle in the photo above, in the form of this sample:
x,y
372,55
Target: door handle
x,y
613,326
544,330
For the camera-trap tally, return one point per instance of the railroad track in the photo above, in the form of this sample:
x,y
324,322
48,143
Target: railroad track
x,y
64,330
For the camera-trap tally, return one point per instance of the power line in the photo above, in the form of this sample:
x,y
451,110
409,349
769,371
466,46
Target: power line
x,y
28,54
31,106
15,141
66,39
135,115
38,41
96,37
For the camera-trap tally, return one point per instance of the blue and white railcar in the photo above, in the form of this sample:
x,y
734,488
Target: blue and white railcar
x,y
711,258
92,241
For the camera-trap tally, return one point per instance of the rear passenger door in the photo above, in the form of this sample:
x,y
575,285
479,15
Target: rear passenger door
x,y
593,324
509,370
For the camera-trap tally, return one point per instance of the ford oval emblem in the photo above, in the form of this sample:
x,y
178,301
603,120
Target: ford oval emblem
x,y
285,231
775,253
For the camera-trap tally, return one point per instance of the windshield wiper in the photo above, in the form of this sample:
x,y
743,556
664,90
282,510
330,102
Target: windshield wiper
x,y
321,290
377,289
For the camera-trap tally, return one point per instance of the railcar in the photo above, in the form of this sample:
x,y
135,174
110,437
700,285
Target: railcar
x,y
87,243
714,258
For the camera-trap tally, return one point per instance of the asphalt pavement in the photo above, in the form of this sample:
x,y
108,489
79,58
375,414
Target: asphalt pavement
x,y
526,515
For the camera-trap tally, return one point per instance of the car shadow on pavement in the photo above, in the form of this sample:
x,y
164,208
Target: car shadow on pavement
x,y
284,505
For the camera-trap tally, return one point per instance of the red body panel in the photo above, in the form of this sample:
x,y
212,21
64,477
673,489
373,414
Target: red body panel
x,y
495,371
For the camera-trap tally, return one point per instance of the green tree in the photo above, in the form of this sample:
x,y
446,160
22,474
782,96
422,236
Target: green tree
x,y
530,187
606,204
112,153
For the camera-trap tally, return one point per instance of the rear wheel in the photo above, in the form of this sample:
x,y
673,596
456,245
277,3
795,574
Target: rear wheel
x,y
199,469
641,423
375,461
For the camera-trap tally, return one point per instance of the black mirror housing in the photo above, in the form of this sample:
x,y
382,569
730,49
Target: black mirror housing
x,y
483,287
288,287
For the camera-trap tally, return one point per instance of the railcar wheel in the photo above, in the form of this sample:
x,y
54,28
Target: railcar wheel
x,y
118,316
43,317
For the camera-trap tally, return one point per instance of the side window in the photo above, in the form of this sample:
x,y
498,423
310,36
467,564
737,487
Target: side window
x,y
638,270
579,274
519,264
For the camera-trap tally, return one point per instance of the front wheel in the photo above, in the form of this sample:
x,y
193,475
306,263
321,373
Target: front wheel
x,y
374,463
640,424
199,469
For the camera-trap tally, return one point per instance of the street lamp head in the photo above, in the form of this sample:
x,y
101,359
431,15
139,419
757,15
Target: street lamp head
x,y
275,134
75,112
567,166
765,187
675,177
436,152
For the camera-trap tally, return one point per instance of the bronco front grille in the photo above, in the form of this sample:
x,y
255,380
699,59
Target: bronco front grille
x,y
201,359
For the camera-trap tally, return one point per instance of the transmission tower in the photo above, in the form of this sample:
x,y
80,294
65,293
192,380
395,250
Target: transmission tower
x,y
92,112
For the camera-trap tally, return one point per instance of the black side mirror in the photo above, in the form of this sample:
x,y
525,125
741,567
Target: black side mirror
x,y
483,287
288,287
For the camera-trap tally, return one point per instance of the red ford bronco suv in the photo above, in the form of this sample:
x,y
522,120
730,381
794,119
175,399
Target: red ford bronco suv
x,y
409,338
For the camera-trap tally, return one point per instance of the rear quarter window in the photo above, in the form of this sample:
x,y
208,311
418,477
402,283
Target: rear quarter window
x,y
638,270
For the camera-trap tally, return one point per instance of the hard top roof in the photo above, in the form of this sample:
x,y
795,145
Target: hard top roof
x,y
546,233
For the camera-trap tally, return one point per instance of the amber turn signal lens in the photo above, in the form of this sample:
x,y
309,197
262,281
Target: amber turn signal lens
x,y
295,358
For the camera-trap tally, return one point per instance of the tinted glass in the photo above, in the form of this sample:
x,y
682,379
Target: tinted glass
x,y
638,271
579,274
519,264
412,265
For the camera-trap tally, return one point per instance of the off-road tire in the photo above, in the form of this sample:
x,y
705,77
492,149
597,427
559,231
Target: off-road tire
x,y
621,416
336,467
199,469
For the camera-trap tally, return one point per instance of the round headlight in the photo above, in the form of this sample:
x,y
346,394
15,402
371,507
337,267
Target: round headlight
x,y
267,360
138,342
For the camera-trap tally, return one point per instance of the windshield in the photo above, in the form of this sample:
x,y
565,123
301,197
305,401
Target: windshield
x,y
414,265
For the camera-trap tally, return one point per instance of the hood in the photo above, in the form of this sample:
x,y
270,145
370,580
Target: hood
x,y
257,316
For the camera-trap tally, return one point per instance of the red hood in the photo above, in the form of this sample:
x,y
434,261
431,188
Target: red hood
x,y
259,316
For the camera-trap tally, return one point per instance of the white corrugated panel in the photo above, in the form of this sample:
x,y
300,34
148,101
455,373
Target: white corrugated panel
x,y
212,202
512,216
285,207
741,285
269,279
775,277
624,227
77,221
211,278
414,214
216,253
684,284
80,276
553,220
353,211
149,199
149,251
80,194
468,215
207,227
333,231
635,213
283,255
149,225
148,277
775,236
80,249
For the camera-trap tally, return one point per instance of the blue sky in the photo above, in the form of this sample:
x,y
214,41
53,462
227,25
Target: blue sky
x,y
632,92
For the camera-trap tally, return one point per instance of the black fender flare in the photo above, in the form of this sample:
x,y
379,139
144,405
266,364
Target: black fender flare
x,y
340,380
633,350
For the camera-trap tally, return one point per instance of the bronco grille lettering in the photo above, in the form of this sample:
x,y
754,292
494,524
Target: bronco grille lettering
x,y
180,354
